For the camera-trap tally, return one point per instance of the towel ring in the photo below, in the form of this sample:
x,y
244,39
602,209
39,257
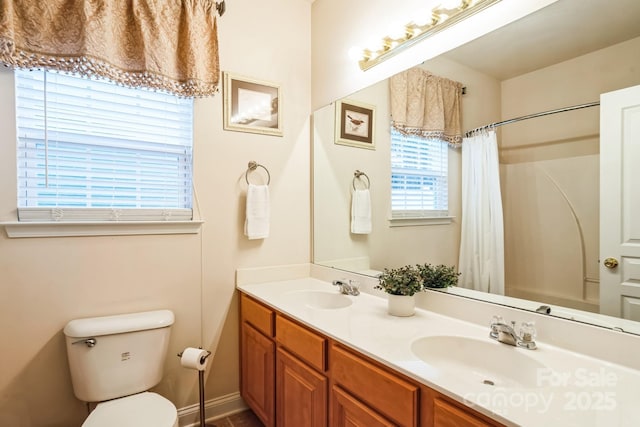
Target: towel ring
x,y
253,166
358,175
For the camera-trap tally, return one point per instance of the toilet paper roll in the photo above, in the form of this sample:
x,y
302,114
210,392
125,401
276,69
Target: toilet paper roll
x,y
194,358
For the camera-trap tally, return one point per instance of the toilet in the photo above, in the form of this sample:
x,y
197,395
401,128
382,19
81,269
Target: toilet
x,y
115,360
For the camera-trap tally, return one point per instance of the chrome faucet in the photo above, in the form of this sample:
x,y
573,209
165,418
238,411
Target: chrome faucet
x,y
507,334
347,287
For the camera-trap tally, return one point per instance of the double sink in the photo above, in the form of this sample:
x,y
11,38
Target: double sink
x,y
468,359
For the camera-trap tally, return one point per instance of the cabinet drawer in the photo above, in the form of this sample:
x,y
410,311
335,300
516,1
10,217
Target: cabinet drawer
x,y
390,395
258,315
308,346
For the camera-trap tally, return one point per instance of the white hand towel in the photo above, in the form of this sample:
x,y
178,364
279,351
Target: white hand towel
x,y
361,212
256,224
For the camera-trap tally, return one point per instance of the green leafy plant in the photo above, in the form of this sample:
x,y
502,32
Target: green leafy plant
x,y
400,281
439,276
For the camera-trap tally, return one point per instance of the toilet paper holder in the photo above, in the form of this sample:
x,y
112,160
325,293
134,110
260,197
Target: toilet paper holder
x,y
202,359
201,388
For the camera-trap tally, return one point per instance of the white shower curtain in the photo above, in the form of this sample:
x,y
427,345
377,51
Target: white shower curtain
x,y
482,237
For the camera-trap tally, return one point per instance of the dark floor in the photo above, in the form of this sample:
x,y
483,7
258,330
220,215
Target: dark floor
x,y
241,419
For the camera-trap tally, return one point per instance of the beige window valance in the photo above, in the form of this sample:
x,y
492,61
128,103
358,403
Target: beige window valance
x,y
426,105
168,45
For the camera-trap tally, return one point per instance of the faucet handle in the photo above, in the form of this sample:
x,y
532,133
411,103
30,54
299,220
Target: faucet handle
x,y
355,287
496,319
528,331
494,329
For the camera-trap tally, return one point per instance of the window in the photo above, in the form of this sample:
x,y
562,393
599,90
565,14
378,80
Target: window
x,y
90,150
419,170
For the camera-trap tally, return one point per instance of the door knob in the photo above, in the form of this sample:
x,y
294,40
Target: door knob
x,y
611,263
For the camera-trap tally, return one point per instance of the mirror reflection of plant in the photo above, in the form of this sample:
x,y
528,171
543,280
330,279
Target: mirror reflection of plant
x,y
439,276
400,281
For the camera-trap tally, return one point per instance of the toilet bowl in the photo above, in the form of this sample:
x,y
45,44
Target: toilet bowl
x,y
145,409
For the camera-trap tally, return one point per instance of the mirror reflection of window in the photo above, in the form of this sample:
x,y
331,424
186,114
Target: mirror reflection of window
x,y
419,176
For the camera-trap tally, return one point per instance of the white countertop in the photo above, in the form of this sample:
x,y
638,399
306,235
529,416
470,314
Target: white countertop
x,y
572,389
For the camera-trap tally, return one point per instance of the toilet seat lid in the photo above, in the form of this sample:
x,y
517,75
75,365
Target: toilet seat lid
x,y
139,410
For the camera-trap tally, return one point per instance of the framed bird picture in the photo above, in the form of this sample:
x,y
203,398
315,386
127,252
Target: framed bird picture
x,y
355,124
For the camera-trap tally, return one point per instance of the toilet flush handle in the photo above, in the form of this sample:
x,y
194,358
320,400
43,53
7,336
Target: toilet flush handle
x,y
90,342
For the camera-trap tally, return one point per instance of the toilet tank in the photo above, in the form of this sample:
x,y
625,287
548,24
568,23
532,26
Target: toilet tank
x,y
115,356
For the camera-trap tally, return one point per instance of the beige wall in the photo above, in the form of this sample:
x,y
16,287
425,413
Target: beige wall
x,y
45,282
550,175
334,165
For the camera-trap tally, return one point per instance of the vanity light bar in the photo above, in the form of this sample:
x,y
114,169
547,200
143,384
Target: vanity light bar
x,y
441,18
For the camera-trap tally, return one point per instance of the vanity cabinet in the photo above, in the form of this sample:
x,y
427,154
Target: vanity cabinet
x,y
257,366
301,383
293,376
283,368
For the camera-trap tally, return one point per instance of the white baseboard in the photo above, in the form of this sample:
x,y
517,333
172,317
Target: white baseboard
x,y
214,409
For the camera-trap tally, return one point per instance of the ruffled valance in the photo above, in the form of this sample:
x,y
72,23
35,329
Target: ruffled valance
x,y
426,105
167,45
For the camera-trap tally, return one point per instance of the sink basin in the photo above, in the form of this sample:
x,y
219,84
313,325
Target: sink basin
x,y
481,361
322,300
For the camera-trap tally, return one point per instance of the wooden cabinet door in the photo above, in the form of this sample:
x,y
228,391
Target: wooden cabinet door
x,y
348,411
436,410
258,374
301,399
448,415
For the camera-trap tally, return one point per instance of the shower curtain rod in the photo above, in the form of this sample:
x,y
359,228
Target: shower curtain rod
x,y
532,116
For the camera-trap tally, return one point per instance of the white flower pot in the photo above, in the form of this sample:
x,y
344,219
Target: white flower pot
x,y
401,305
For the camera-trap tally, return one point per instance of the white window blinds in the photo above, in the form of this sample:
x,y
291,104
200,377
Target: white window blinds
x,y
419,172
90,150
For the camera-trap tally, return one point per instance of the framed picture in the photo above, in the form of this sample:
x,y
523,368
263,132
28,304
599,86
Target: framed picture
x,y
251,105
355,124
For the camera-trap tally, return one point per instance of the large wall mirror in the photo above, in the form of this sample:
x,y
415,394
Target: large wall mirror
x,y
565,54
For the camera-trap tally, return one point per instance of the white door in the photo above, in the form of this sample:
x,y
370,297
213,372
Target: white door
x,y
620,203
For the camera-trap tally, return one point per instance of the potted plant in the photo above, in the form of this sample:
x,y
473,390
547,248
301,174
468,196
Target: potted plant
x,y
438,276
401,284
